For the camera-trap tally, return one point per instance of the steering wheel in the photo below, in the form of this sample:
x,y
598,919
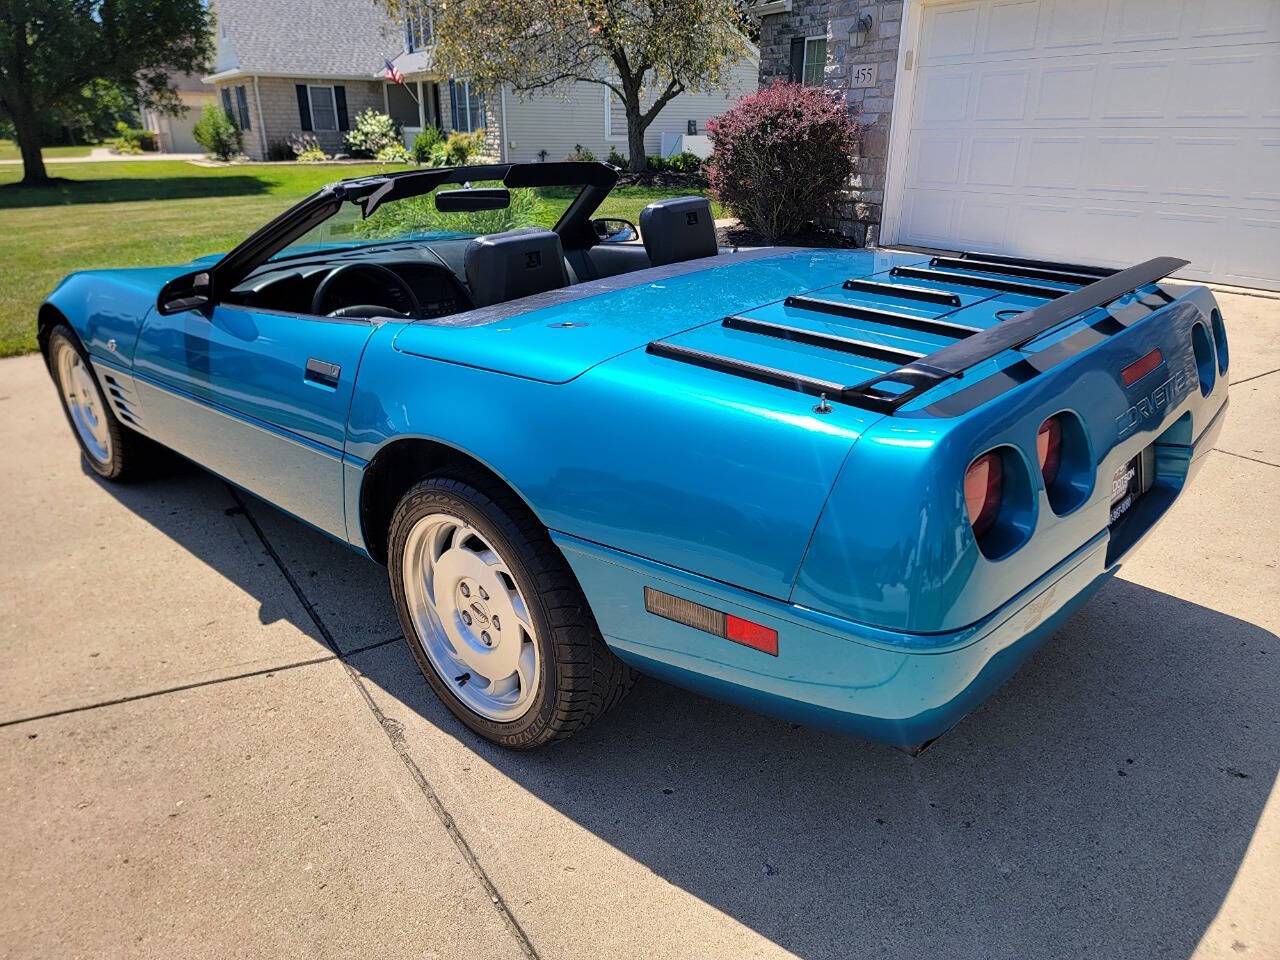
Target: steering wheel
x,y
384,275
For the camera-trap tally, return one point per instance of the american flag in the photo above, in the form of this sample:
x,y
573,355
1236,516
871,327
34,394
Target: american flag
x,y
394,75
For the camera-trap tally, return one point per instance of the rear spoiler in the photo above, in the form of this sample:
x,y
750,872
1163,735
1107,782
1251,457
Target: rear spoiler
x,y
1100,286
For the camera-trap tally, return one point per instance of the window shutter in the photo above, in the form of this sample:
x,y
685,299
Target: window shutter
x,y
242,104
304,106
797,60
340,101
453,105
226,106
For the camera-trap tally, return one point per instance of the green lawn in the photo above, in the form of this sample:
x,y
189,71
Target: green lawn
x,y
124,214
9,151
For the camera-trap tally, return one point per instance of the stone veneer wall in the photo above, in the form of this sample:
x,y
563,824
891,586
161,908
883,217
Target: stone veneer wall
x,y
280,110
860,210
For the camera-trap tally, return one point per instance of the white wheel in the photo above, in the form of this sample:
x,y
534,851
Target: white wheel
x,y
470,618
84,402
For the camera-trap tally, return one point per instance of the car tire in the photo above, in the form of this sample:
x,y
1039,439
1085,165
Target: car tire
x,y
108,447
465,554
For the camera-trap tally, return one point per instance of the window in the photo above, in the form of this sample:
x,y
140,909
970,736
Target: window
x,y
467,106
419,27
324,116
242,105
815,61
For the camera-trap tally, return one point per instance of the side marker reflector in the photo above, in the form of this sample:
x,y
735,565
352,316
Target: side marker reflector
x,y
1141,367
726,625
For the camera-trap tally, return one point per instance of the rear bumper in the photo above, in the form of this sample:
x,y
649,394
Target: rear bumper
x,y
896,687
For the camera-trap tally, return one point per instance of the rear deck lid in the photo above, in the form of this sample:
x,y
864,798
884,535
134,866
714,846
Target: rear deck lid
x,y
555,337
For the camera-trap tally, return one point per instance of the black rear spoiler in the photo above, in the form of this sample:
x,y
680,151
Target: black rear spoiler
x,y
1101,287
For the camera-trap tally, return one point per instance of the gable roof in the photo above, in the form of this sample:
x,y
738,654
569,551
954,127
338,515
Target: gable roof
x,y
303,38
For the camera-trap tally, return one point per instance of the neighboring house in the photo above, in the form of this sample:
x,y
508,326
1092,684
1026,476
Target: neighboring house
x,y
549,126
173,131
290,67
1094,131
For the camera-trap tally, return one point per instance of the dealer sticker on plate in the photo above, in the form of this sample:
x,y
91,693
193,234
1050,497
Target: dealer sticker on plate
x,y
1126,487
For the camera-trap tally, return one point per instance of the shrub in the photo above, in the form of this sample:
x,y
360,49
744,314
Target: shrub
x,y
216,133
581,154
461,147
655,164
306,148
132,140
781,157
424,142
278,150
684,162
373,131
393,153
616,159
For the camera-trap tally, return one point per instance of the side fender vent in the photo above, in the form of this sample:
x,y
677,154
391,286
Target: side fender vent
x,y
123,400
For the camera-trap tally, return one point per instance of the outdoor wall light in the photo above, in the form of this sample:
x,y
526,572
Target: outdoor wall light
x,y
858,32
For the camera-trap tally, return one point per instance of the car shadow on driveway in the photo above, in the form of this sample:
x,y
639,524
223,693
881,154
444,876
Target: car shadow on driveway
x,y
1098,805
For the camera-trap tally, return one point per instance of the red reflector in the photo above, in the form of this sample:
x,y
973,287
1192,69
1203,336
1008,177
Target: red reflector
x,y
982,491
752,634
1141,367
1049,448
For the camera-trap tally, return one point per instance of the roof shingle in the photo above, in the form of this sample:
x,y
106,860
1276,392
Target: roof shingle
x,y
305,38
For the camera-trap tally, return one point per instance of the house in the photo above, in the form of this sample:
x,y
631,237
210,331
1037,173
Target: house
x,y
310,66
1097,131
549,126
173,130
299,66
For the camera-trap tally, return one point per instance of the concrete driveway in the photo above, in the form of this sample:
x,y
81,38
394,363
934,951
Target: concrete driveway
x,y
214,744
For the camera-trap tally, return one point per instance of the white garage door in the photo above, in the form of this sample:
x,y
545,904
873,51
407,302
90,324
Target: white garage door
x,y
1099,131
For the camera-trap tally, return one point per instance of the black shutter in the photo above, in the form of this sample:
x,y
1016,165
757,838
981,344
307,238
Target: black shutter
x,y
340,101
242,104
226,106
797,60
304,106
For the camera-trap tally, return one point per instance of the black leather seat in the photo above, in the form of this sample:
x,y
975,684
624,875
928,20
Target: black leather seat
x,y
507,266
681,228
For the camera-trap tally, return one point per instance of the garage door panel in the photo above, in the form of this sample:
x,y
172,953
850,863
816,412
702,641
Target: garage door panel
x,y
1132,127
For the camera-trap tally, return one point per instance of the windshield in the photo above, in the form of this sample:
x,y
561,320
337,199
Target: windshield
x,y
418,218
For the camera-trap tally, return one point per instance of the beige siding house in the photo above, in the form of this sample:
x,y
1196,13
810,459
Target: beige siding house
x,y
310,66
174,130
299,66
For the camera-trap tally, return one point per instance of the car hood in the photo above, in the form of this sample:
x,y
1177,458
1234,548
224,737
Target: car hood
x,y
557,336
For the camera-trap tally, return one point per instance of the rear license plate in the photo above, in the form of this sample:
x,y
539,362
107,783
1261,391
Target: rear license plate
x,y
1126,488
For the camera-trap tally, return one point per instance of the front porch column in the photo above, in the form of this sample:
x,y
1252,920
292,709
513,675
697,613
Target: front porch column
x,y
422,110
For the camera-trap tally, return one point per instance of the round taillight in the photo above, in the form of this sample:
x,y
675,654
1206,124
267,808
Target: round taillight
x,y
983,488
1049,449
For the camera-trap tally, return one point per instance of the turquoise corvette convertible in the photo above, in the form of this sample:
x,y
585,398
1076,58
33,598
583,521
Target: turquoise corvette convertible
x,y
849,487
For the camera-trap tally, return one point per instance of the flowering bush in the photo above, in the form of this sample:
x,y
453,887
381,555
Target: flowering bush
x,y
394,153
373,132
781,156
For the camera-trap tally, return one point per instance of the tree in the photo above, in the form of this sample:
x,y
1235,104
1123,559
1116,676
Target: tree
x,y
646,51
52,50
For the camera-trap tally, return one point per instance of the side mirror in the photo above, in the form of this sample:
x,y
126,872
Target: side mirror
x,y
614,230
191,291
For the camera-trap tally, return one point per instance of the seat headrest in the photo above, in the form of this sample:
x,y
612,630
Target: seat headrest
x,y
507,266
678,229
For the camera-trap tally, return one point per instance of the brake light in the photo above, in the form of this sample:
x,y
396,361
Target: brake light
x,y
1049,449
1141,367
983,489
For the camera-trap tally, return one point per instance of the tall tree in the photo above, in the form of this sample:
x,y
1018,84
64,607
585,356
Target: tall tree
x,y
646,51
52,50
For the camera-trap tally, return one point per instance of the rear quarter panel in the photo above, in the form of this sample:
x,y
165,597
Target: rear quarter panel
x,y
720,477
894,547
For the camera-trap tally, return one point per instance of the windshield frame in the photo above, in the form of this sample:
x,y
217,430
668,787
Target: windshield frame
x,y
574,226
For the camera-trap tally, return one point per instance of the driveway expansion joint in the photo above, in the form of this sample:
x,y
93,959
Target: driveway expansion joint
x,y
395,736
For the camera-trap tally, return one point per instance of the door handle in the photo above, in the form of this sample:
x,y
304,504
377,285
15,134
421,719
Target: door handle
x,y
322,372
